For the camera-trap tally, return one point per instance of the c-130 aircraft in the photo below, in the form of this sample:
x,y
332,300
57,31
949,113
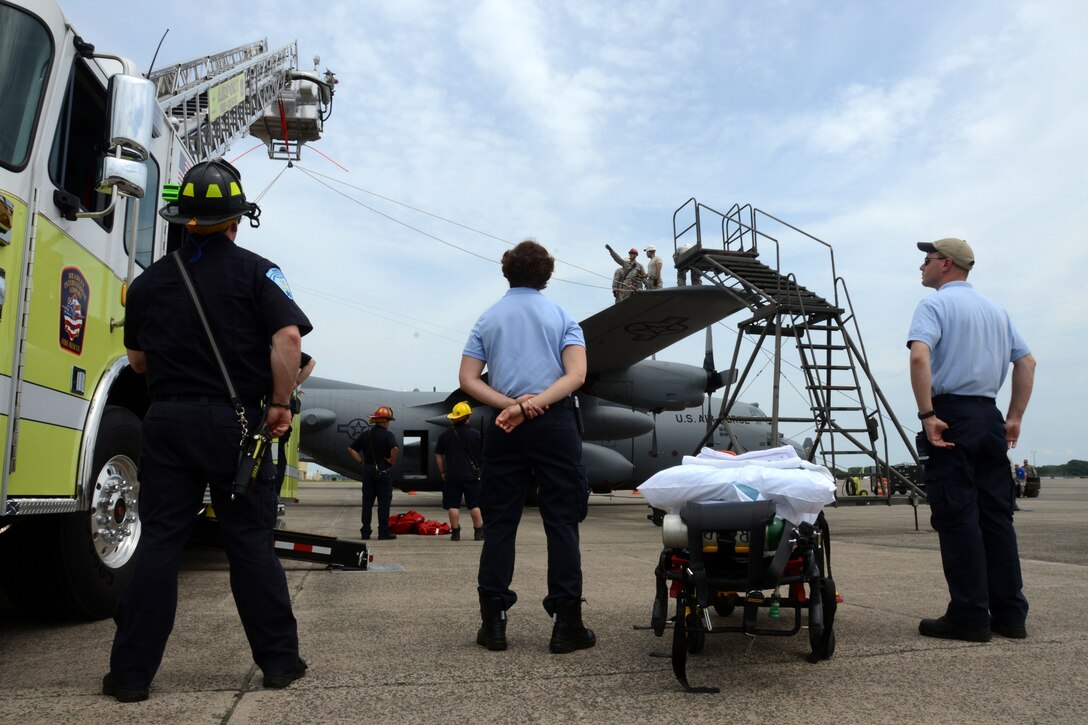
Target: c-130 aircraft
x,y
628,435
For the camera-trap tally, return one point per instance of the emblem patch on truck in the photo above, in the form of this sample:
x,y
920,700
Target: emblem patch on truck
x,y
74,295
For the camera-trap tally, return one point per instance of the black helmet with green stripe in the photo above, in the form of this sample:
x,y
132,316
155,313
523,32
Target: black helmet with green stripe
x,y
210,194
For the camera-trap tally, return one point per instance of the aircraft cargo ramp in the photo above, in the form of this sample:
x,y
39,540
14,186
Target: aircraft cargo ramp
x,y
850,418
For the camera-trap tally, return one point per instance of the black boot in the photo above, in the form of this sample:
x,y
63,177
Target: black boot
x,y
492,633
455,534
478,534
568,633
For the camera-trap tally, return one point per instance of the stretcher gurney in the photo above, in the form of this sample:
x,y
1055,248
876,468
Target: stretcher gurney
x,y
722,556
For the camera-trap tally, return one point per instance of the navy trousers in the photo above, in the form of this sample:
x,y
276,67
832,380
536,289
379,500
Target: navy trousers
x,y
186,446
376,485
971,496
545,452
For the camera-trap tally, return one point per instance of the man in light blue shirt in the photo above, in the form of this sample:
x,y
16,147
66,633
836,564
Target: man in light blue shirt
x,y
961,345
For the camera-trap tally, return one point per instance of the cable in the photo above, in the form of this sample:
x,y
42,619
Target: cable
x,y
314,175
440,218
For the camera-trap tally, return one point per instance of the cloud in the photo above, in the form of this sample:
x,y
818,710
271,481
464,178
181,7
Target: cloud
x,y
867,120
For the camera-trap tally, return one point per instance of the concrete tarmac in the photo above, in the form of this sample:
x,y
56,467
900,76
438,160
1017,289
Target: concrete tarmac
x,y
398,646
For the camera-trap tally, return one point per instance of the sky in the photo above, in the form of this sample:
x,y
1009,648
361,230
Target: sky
x,y
460,128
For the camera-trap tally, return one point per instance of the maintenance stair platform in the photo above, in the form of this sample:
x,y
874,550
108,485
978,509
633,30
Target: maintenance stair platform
x,y
848,415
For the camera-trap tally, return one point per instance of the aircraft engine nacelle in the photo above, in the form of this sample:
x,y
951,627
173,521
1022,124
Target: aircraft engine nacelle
x,y
605,468
608,423
312,420
656,385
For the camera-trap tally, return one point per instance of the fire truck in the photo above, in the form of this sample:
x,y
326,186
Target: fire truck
x,y
88,148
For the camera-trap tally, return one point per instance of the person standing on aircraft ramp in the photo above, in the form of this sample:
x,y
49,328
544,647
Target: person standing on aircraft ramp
x,y
458,457
535,354
961,345
653,268
630,275
376,450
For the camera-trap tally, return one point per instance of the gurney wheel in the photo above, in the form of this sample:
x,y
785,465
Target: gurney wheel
x,y
826,613
657,618
816,646
696,638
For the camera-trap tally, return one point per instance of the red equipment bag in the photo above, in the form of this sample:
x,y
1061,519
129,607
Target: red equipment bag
x,y
405,523
432,528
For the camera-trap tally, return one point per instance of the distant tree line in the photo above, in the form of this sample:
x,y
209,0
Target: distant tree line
x,y
1072,469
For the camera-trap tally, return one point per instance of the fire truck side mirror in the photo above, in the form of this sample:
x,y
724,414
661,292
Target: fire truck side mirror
x,y
132,108
127,176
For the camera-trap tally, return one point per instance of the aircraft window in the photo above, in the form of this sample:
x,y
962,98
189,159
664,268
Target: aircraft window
x,y
147,220
26,53
80,142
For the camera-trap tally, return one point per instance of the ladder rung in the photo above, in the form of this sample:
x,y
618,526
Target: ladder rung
x,y
817,346
831,387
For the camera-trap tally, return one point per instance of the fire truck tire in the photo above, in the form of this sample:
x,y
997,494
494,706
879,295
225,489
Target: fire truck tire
x,y
74,566
98,569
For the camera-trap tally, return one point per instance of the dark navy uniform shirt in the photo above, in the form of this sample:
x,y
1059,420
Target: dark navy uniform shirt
x,y
378,439
246,299
460,444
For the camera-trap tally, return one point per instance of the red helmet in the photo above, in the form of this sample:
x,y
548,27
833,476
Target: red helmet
x,y
384,412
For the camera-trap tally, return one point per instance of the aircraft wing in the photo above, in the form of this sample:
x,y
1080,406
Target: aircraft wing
x,y
648,321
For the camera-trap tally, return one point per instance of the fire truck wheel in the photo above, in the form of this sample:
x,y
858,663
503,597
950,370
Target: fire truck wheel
x,y
100,545
75,565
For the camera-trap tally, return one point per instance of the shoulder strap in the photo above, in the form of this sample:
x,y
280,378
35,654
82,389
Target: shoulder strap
x,y
234,399
468,453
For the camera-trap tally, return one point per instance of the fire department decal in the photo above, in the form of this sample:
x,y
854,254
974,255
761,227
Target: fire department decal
x,y
74,296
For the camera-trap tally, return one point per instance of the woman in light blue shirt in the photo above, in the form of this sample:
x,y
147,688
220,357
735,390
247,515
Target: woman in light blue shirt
x,y
535,356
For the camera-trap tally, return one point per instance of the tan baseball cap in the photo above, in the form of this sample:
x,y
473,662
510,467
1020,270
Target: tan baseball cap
x,y
957,250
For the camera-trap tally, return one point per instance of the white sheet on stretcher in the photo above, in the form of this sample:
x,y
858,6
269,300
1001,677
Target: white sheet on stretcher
x,y
799,489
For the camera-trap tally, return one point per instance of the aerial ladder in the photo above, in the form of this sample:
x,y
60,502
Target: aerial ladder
x,y
214,100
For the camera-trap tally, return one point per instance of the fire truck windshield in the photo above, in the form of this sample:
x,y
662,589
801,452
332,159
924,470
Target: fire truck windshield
x,y
26,52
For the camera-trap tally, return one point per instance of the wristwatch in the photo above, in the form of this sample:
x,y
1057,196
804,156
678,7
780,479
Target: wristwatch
x,y
929,414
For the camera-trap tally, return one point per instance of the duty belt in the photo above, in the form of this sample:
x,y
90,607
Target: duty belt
x,y
203,399
950,398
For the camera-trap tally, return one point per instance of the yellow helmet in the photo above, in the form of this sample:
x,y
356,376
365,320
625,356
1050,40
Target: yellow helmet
x,y
461,410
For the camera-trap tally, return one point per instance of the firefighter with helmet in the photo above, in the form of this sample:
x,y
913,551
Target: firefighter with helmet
x,y
192,430
458,455
375,449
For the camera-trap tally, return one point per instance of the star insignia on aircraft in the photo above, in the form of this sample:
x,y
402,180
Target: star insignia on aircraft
x,y
647,331
354,428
